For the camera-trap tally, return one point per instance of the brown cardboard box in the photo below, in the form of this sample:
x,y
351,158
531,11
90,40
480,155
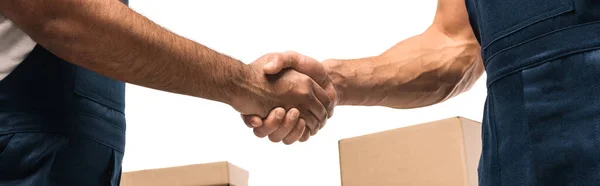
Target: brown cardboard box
x,y
211,174
444,152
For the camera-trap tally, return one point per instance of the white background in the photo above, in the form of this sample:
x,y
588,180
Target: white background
x,y
170,130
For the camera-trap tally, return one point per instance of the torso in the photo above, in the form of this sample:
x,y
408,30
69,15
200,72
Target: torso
x,y
542,118
60,124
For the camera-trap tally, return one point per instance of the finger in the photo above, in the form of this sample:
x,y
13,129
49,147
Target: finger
x,y
305,136
311,67
322,125
305,65
277,62
289,122
312,123
296,134
252,121
301,63
333,96
325,100
270,124
318,111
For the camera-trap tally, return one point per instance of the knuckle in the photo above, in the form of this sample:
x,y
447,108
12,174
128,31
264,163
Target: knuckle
x,y
273,56
308,95
303,92
306,80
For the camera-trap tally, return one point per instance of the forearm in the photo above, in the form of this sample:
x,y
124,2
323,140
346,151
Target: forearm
x,y
107,37
420,71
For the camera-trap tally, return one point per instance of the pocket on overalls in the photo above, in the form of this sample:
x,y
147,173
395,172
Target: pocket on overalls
x,y
563,114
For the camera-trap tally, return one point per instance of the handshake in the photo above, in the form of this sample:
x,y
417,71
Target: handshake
x,y
290,99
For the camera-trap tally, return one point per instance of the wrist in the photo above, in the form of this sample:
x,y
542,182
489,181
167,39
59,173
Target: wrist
x,y
353,79
334,72
251,86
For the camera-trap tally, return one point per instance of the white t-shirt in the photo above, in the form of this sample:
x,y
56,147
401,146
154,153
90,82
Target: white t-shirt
x,y
15,45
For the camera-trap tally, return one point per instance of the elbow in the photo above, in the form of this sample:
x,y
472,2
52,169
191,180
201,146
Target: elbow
x,y
49,23
467,73
57,35
62,30
59,32
47,20
32,16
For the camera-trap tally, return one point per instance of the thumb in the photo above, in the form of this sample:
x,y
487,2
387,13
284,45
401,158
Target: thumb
x,y
281,61
252,121
273,67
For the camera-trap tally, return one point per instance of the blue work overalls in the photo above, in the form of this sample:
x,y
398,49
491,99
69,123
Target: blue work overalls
x,y
542,114
60,124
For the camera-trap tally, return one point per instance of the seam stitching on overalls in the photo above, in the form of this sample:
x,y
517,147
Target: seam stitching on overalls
x,y
520,26
537,37
493,80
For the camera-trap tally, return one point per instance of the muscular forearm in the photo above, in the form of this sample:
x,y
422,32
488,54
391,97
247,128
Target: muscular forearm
x,y
107,37
420,71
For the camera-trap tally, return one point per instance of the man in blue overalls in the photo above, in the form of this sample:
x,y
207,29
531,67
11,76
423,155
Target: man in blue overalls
x,y
542,57
63,64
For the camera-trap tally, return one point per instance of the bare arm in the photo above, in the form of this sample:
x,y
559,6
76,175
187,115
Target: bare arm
x,y
107,37
429,68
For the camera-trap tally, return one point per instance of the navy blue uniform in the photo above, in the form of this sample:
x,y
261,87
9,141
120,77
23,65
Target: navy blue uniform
x,y
542,114
60,124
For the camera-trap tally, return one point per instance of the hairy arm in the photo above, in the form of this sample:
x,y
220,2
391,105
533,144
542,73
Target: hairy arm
x,y
107,37
425,69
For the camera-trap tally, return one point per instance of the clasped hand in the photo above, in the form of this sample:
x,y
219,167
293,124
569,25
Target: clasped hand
x,y
298,99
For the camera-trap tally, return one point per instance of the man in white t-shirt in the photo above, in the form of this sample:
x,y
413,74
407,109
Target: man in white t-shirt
x,y
63,68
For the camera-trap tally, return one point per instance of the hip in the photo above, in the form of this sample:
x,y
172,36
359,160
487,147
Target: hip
x,y
542,124
49,159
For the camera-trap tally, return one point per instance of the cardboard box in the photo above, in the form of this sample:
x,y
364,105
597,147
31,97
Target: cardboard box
x,y
444,152
211,174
